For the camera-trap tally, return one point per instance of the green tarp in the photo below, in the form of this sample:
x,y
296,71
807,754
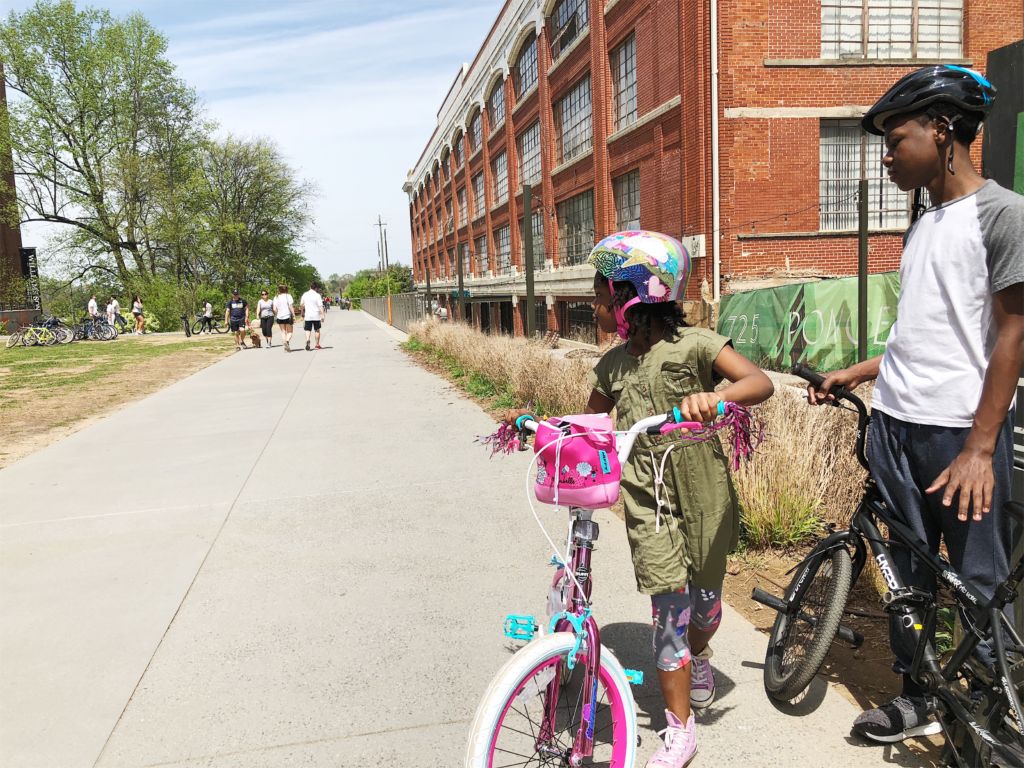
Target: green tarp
x,y
813,323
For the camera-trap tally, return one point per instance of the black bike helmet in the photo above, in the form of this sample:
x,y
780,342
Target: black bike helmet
x,y
960,86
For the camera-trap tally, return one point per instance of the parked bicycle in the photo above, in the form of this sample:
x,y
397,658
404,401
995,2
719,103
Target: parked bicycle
x,y
564,699
211,325
978,705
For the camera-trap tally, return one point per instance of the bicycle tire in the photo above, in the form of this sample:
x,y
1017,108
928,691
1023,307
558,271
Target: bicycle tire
x,y
197,327
66,334
14,339
218,328
47,338
501,730
797,647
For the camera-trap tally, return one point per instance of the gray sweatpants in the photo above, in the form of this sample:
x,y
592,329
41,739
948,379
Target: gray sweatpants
x,y
905,459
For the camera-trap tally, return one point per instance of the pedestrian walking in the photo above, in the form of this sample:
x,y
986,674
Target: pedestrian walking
x,y
236,317
140,317
284,311
265,312
312,306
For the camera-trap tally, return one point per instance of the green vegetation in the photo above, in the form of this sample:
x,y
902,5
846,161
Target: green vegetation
x,y
110,145
370,282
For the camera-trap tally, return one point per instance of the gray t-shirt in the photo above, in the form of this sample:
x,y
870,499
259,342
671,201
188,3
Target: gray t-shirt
x,y
954,258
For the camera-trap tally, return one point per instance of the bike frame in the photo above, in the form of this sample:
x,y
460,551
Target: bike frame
x,y
577,617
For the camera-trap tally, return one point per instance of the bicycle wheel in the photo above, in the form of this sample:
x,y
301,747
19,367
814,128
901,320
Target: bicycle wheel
x,y
799,641
218,328
47,338
509,723
65,334
197,327
14,339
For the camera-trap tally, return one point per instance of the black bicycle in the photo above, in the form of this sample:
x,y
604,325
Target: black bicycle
x,y
978,706
212,325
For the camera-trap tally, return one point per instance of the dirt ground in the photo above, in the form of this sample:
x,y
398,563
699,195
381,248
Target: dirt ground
x,y
36,417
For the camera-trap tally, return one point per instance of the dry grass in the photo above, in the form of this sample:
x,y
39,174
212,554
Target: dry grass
x,y
803,474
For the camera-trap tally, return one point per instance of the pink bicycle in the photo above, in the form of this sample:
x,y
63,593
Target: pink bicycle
x,y
564,699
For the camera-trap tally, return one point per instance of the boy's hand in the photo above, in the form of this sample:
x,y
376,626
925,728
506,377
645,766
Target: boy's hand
x,y
970,474
841,378
702,407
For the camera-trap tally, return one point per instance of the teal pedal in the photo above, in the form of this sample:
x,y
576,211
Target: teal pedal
x,y
634,676
520,627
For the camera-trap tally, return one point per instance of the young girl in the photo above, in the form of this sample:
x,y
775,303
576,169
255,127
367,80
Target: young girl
x,y
679,546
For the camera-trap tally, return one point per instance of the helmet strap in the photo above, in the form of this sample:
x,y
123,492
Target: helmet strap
x,y
621,324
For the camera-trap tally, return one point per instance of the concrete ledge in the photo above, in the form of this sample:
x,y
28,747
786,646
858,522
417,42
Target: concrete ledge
x,y
654,114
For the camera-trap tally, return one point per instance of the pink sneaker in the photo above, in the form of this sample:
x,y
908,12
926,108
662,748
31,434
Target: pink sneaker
x,y
680,743
702,679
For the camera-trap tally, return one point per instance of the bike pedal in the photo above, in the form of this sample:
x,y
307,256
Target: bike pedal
x,y
634,676
519,627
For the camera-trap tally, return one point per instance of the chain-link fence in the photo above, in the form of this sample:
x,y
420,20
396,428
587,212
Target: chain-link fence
x,y
405,308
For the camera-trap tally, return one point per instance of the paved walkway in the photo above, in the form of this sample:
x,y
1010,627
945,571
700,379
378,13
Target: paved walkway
x,y
303,560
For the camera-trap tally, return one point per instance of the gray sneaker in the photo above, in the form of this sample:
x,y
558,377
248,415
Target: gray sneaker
x,y
702,679
902,718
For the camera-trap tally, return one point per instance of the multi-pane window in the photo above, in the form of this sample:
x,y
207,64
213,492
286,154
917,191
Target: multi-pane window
x,y
446,167
537,236
891,29
502,251
845,151
476,131
627,200
524,76
458,151
499,173
578,319
528,144
576,228
463,210
450,265
623,63
496,105
481,255
478,195
464,258
573,122
569,20
540,316
449,219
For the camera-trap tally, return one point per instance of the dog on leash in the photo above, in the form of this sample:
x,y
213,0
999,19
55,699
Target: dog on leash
x,y
255,339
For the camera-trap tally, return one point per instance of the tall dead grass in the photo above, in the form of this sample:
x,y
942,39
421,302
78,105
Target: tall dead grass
x,y
803,474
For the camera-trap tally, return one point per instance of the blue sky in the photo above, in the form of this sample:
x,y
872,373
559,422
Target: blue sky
x,y
348,89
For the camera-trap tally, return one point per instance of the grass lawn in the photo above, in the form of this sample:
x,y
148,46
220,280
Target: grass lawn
x,y
47,392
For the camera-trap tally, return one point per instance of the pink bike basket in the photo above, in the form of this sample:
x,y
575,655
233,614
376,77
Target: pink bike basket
x,y
576,461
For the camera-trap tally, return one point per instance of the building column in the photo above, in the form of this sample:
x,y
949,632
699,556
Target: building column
x,y
512,162
485,130
600,114
547,145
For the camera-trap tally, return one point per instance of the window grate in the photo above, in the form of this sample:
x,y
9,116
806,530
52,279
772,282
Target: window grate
x,y
529,155
499,172
502,251
569,20
627,200
481,255
573,122
575,228
844,146
579,323
623,63
891,29
525,75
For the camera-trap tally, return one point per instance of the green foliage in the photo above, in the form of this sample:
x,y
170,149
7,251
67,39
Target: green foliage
x,y
782,520
109,143
370,282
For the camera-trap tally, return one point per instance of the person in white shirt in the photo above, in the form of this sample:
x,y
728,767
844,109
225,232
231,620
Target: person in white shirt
x,y
284,311
110,313
114,313
94,308
312,306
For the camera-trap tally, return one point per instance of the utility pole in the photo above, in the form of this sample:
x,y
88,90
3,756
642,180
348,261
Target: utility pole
x,y
382,239
530,320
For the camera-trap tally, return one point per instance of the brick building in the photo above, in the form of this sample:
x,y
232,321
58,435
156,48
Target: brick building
x,y
14,310
618,116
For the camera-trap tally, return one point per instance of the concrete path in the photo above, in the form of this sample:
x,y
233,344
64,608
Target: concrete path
x,y
304,560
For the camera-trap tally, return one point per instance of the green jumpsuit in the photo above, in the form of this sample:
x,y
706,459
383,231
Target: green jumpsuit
x,y
699,523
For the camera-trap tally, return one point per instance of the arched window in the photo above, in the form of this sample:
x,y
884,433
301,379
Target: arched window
x,y
476,129
496,104
457,149
568,21
524,76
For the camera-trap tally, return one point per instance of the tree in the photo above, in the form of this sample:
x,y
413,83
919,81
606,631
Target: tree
x,y
100,102
370,282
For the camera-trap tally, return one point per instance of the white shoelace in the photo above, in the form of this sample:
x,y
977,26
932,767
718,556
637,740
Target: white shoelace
x,y
659,483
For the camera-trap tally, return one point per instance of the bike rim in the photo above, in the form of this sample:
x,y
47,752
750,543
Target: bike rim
x,y
799,631
515,741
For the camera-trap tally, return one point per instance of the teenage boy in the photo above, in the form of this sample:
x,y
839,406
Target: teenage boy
x,y
312,306
236,316
941,439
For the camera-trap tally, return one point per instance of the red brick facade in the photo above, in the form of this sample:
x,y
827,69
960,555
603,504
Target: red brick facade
x,y
774,90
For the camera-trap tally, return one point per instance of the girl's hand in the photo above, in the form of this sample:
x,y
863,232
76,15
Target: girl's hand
x,y
702,407
513,414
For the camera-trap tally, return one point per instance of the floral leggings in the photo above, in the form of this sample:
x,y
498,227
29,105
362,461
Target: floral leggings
x,y
672,613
